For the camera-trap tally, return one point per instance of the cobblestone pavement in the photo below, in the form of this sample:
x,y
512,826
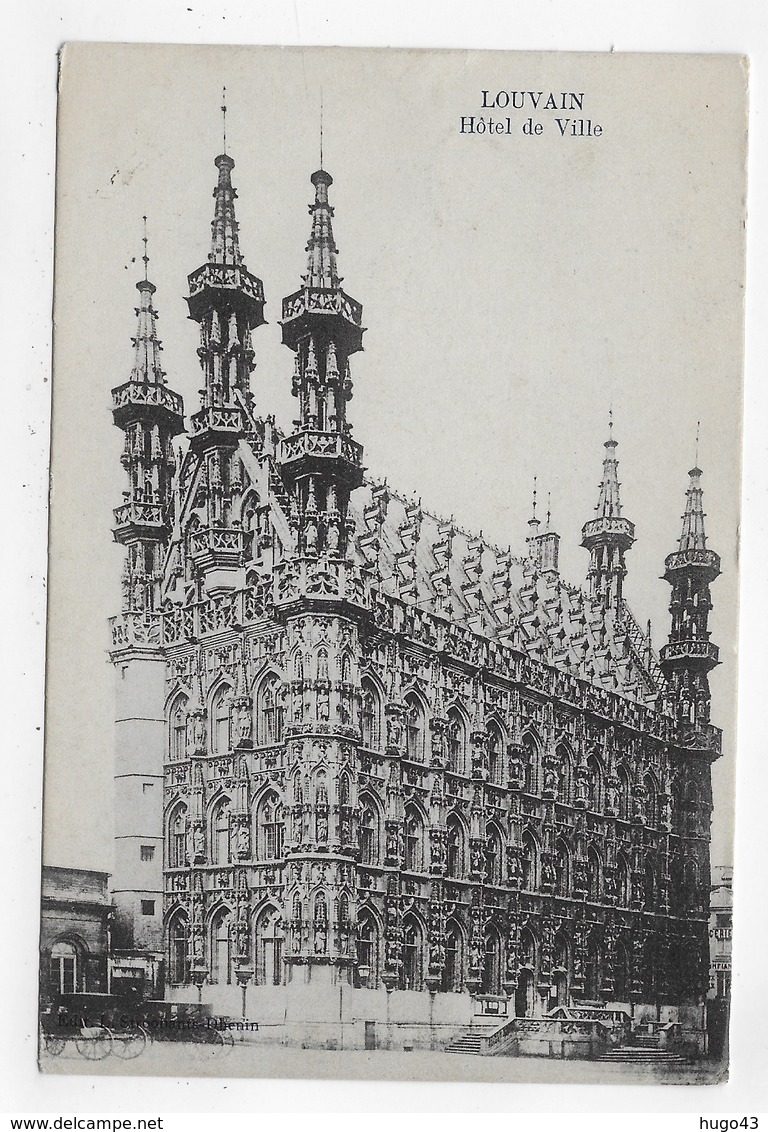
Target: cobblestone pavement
x,y
189,1059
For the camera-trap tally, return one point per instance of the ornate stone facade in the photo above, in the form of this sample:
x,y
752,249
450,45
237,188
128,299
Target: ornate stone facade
x,y
390,753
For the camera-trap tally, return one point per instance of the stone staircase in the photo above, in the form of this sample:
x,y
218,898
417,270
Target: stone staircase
x,y
644,1049
468,1041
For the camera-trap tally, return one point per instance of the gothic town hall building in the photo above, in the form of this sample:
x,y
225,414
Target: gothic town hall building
x,y
362,755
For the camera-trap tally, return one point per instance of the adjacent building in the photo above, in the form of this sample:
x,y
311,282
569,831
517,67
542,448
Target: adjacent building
x,y
360,747
74,932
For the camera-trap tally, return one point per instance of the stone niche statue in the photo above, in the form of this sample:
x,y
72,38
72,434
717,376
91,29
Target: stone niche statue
x,y
394,731
198,843
196,733
243,841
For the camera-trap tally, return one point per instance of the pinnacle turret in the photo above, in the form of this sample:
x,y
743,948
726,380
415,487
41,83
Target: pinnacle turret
x,y
321,463
693,535
150,414
689,656
322,269
225,245
228,303
609,535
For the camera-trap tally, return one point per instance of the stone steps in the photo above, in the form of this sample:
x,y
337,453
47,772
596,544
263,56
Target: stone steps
x,y
642,1055
467,1042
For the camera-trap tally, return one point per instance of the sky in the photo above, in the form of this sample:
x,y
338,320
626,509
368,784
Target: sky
x,y
516,287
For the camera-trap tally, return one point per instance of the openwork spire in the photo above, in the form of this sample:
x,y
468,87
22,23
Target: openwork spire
x,y
693,535
608,536
690,655
609,502
146,344
225,246
322,269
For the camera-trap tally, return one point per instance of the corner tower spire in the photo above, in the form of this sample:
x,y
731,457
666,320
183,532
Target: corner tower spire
x,y
689,656
608,536
228,303
150,414
322,325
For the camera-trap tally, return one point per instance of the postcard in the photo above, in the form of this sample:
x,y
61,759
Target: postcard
x,y
391,665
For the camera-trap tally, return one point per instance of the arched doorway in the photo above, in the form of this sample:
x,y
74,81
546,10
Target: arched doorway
x,y
221,947
491,983
269,948
453,971
367,971
561,971
525,993
412,956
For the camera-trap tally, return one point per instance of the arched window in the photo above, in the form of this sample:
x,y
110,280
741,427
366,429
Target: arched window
x,y
177,839
690,884
625,795
625,881
493,855
457,742
66,974
220,833
531,764
525,992
453,971
495,755
530,862
565,777
491,983
367,950
271,828
414,841
561,969
369,832
413,955
249,512
297,923
221,948
651,801
269,948
595,784
221,712
416,729
455,865
178,733
271,710
594,875
178,950
562,869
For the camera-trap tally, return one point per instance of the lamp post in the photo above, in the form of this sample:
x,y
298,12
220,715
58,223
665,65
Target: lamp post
x,y
199,975
244,974
433,985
